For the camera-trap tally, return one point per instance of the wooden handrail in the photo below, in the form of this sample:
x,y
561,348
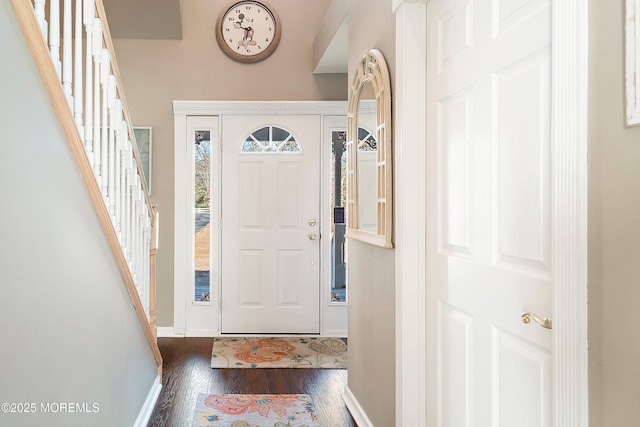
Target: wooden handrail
x,y
26,18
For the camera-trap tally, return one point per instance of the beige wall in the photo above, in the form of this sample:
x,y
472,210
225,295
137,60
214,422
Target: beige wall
x,y
156,72
372,269
614,228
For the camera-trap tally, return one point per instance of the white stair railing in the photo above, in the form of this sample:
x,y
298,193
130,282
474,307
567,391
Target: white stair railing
x,y
89,79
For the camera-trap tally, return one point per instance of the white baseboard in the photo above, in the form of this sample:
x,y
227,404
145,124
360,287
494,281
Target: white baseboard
x,y
149,404
334,333
168,332
358,414
202,334
165,331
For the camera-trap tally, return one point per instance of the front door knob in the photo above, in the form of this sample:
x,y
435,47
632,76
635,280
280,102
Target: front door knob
x,y
312,236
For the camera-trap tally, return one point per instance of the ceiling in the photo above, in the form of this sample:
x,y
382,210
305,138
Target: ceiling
x,y
144,19
331,44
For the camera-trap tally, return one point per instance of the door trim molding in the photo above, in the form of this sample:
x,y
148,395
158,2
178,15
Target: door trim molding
x,y
183,224
569,187
570,50
218,108
410,212
181,110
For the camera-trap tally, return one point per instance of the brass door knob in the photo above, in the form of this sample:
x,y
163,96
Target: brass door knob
x,y
545,323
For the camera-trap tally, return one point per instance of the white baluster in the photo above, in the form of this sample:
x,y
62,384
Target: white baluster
x,y
128,209
54,34
67,52
144,255
128,217
132,221
77,70
145,284
88,15
126,159
143,245
135,224
88,12
38,8
147,270
96,51
104,139
147,259
143,258
143,265
113,124
117,165
141,237
138,230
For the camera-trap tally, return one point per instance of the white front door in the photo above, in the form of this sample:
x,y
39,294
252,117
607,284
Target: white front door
x,y
270,224
489,230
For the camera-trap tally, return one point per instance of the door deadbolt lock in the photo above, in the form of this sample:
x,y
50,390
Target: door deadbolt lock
x,y
312,222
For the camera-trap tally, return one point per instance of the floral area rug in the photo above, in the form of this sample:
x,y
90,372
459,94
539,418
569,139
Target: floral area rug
x,y
323,353
255,410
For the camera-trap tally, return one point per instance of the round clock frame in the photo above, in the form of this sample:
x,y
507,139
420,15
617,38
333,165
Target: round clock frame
x,y
241,41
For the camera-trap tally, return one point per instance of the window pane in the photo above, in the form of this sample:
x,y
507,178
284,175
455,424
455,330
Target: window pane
x,y
338,223
251,146
290,146
366,141
262,134
202,215
279,134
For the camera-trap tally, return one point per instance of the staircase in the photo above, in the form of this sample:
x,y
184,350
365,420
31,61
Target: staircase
x,y
73,52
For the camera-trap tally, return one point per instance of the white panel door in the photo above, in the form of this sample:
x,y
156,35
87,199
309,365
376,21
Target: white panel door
x,y
270,225
489,219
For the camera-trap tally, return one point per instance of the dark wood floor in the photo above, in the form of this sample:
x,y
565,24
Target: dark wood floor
x,y
187,372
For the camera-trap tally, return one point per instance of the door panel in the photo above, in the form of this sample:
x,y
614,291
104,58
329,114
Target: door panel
x,y
518,363
270,269
488,181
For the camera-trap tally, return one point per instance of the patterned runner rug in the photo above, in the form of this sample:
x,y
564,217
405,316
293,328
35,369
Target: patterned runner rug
x,y
255,410
318,353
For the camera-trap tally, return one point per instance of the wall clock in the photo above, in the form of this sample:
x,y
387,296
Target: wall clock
x,y
248,31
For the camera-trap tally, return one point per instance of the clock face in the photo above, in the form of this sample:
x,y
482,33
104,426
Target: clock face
x,y
248,31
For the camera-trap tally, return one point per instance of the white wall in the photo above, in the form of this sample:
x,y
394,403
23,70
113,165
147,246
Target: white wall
x,y
68,329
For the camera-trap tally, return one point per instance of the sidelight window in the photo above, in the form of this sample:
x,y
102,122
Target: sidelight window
x,y
202,215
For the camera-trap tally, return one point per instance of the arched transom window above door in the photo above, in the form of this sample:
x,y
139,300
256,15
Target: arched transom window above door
x,y
271,139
